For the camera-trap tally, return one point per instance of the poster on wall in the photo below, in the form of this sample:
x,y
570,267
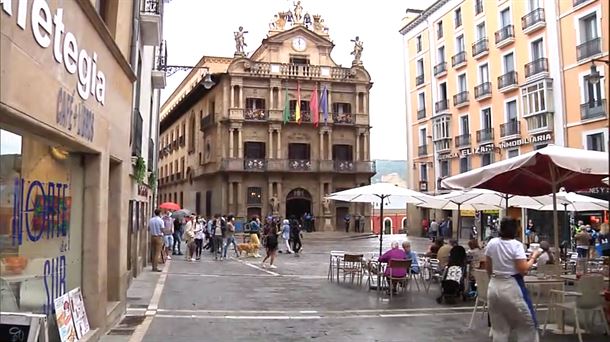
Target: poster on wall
x,y
79,315
64,318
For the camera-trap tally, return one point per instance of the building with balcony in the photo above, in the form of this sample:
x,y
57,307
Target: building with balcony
x,y
508,95
244,144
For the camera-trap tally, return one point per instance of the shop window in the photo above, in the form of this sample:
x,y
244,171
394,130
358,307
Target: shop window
x,y
41,223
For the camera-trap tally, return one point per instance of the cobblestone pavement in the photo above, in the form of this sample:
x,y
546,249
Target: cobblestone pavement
x,y
237,300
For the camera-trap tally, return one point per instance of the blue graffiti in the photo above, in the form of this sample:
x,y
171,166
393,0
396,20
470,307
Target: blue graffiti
x,y
45,210
54,272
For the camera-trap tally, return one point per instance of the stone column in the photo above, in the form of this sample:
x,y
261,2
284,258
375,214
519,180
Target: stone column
x,y
271,104
239,204
330,145
95,240
366,146
279,144
231,196
357,146
231,153
240,147
280,196
321,157
270,145
240,104
232,91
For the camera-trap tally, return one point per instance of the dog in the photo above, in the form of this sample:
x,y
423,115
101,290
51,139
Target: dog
x,y
250,248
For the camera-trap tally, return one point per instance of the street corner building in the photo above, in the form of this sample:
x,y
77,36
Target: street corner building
x,y
68,91
490,80
271,133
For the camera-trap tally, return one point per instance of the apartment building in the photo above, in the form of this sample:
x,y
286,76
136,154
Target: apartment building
x,y
68,86
232,140
490,80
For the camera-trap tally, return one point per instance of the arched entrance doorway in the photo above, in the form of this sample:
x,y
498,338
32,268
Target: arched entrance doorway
x,y
387,225
298,202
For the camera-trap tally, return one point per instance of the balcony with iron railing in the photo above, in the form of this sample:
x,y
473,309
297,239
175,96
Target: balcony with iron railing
x,y
510,128
462,140
508,81
422,150
136,143
533,21
419,80
158,75
254,114
461,99
421,113
485,135
206,122
343,119
344,165
441,106
440,69
505,36
283,70
255,164
150,22
480,48
305,116
588,49
536,67
482,91
593,110
299,164
459,59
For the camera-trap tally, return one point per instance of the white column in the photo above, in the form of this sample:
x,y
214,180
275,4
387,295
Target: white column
x,y
231,155
240,147
357,146
270,145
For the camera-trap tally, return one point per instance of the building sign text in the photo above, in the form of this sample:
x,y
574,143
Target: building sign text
x,y
529,140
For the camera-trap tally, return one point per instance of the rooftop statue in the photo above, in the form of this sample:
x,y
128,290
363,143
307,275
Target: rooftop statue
x,y
240,41
298,10
357,52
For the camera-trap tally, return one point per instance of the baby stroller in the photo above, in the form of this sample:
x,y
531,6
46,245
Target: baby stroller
x,y
454,277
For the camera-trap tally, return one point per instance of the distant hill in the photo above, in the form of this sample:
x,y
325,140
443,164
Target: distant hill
x,y
394,171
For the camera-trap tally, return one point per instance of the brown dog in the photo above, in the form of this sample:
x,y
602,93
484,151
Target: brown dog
x,y
250,248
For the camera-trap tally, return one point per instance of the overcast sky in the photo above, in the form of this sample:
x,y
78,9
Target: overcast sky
x,y
194,28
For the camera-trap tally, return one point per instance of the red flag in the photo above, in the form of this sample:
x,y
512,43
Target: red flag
x,y
297,111
313,106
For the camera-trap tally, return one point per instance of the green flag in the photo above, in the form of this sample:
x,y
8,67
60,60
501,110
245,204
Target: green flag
x,y
286,115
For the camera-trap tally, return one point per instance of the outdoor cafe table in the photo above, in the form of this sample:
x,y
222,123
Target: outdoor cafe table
x,y
572,277
552,281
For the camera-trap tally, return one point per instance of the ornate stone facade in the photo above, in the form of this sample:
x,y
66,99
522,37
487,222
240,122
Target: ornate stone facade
x,y
245,151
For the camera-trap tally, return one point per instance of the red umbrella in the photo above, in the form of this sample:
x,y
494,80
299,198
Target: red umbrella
x,y
169,206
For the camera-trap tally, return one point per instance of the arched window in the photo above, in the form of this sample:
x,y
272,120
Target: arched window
x,y
387,225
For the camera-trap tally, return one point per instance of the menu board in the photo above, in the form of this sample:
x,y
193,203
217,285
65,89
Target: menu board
x,y
22,327
65,320
79,315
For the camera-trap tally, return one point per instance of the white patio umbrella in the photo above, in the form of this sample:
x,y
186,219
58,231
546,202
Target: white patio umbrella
x,y
570,201
606,181
381,193
481,199
538,173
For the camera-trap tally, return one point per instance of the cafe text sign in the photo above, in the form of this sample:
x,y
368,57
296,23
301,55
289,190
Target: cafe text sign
x,y
528,140
483,149
49,30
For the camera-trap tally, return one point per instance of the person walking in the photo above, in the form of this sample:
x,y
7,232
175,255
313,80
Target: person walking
x,y
347,220
168,234
230,237
271,247
433,231
218,234
155,227
199,234
510,306
286,235
176,248
295,236
189,238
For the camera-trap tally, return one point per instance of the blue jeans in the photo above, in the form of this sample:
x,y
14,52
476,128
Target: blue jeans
x,y
227,242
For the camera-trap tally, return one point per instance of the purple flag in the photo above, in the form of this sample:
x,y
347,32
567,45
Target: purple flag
x,y
324,103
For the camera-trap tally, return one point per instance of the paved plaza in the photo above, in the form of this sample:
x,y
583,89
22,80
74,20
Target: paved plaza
x,y
237,300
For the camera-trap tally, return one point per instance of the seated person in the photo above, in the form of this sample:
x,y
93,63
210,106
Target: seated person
x,y
434,247
443,253
411,256
547,257
475,254
394,253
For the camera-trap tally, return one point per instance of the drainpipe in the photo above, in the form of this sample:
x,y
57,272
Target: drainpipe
x,y
564,109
